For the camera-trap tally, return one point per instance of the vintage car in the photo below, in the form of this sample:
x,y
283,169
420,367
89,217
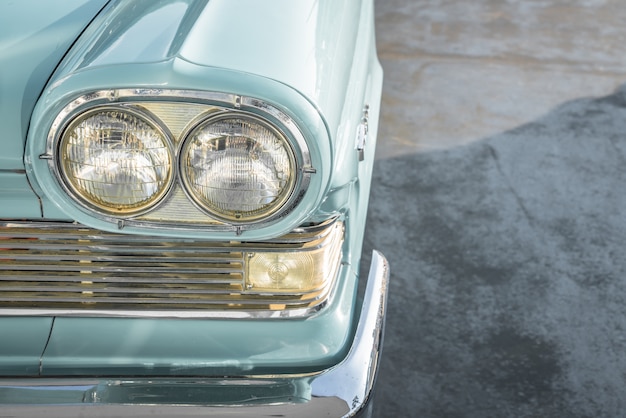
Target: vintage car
x,y
184,188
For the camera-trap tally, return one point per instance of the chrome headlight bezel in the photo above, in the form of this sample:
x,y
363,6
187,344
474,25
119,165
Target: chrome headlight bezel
x,y
211,105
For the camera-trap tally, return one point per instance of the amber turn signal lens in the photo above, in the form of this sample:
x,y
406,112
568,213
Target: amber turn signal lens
x,y
304,271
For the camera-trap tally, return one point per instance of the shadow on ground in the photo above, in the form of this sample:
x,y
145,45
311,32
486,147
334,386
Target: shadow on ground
x,y
508,292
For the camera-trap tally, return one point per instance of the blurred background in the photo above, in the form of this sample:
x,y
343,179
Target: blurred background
x,y
498,197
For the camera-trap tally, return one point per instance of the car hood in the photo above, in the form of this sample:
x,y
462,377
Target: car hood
x,y
34,37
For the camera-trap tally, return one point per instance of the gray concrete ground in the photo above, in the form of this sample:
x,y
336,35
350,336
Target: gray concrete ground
x,y
498,198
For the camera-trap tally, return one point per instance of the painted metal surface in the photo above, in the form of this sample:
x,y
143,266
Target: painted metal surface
x,y
21,345
307,45
18,200
31,45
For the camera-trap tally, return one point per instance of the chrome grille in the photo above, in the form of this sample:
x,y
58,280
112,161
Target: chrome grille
x,y
66,268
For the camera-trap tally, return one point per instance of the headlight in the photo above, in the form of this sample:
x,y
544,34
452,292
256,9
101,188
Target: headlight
x,y
178,160
116,160
238,168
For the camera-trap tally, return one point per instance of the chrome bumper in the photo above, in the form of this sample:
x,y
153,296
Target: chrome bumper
x,y
343,390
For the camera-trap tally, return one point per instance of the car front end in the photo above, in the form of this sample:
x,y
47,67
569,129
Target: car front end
x,y
186,187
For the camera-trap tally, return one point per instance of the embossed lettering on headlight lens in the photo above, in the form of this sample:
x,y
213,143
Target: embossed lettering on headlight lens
x,y
238,168
116,160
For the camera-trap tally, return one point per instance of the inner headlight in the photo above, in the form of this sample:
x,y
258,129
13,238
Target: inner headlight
x,y
238,168
116,160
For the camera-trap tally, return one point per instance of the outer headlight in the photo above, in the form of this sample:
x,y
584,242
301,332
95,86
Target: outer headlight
x,y
238,168
116,160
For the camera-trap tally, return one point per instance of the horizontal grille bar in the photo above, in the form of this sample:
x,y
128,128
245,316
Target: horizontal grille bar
x,y
56,267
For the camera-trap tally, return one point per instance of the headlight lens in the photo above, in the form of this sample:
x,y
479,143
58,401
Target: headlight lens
x,y
238,168
116,160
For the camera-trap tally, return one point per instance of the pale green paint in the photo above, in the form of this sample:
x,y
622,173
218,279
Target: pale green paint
x,y
17,199
34,36
22,343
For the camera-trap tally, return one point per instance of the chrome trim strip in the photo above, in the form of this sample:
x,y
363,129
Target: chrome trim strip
x,y
341,391
353,379
298,235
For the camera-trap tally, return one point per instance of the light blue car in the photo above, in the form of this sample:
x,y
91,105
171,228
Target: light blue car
x,y
184,188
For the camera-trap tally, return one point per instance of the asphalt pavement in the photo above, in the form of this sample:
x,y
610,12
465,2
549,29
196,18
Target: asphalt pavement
x,y
498,198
